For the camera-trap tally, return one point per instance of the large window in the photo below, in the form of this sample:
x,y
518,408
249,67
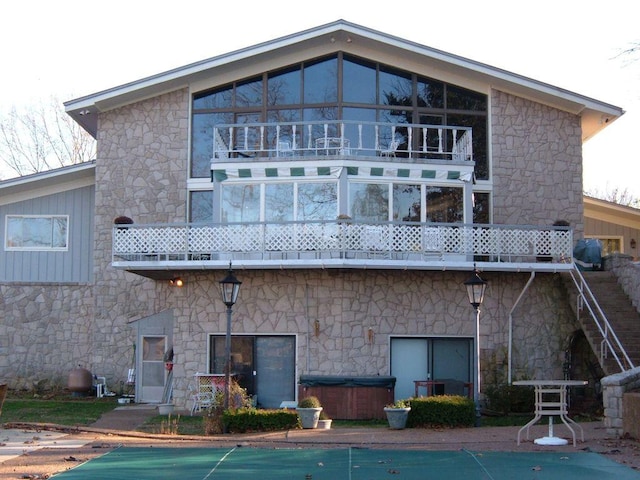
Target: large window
x,y
337,87
37,232
283,201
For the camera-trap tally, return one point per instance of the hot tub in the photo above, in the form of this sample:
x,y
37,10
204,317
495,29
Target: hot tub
x,y
350,397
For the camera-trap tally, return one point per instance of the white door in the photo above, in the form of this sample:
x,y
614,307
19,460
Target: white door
x,y
408,363
153,374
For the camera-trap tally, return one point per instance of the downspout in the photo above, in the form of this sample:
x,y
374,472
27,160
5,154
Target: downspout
x,y
515,305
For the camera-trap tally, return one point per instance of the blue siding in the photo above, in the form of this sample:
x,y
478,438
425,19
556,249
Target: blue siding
x,y
74,265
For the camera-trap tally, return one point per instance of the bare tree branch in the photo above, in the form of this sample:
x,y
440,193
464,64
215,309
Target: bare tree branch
x,y
41,137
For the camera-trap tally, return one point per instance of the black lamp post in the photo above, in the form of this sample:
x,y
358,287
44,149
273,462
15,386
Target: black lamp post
x,y
229,289
476,287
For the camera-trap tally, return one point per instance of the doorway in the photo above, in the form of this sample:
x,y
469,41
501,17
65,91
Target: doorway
x,y
448,361
263,364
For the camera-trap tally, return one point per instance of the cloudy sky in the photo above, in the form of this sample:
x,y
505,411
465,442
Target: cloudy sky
x,y
71,48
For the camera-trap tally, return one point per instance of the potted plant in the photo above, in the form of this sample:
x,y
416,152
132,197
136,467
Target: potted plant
x,y
397,414
309,409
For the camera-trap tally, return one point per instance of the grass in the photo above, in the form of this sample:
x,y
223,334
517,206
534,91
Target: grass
x,y
71,411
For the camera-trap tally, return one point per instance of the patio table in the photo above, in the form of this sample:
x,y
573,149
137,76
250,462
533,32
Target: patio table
x,y
551,400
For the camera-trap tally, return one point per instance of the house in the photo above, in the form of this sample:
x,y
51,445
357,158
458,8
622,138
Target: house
x,y
353,181
616,226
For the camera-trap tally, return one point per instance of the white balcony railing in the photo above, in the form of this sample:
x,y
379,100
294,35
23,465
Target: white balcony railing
x,y
426,242
300,139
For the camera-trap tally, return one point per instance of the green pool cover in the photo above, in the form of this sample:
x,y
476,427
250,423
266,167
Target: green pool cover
x,y
349,464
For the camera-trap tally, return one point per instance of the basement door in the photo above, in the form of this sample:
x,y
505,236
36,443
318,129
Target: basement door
x,y
264,365
438,359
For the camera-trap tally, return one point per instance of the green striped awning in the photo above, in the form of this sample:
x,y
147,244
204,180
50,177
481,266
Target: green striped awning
x,y
417,173
442,173
258,173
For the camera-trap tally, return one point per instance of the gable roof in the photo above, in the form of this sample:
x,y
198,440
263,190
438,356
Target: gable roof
x,y
611,212
48,182
349,37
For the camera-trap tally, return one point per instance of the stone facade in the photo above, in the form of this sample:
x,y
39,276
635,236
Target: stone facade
x,y
628,273
537,163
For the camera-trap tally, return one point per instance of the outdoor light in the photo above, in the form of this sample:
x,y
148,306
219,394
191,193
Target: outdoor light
x,y
633,243
229,289
475,290
176,282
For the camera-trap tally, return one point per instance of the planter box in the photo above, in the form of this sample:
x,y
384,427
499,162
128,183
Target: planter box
x,y
349,398
165,408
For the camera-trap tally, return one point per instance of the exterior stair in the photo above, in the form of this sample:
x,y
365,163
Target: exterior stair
x,y
623,318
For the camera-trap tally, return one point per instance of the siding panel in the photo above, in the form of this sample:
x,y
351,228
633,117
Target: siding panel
x,y
74,265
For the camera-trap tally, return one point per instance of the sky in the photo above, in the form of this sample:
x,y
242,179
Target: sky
x,y
70,48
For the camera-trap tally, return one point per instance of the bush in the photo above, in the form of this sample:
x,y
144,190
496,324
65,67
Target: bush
x,y
309,402
442,410
506,399
244,420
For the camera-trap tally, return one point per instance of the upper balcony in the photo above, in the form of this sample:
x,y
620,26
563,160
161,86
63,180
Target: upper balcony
x,y
413,143
159,251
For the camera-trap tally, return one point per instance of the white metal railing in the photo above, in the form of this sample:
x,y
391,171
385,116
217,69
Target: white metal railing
x,y
288,139
341,239
610,344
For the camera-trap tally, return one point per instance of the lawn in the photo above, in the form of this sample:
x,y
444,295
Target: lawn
x,y
71,411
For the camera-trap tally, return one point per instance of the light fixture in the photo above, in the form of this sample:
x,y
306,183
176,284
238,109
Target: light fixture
x,y
633,243
176,282
476,287
229,289
316,328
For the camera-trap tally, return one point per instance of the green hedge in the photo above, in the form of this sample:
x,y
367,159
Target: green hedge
x,y
245,420
442,410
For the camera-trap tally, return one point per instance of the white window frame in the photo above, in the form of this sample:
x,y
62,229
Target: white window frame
x,y
40,248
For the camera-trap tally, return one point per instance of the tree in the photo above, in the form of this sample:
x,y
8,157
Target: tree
x,y
41,137
616,195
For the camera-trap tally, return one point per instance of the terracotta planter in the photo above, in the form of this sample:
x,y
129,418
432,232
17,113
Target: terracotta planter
x,y
397,417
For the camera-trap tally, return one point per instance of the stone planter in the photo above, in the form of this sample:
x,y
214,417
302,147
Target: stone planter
x,y
397,417
309,416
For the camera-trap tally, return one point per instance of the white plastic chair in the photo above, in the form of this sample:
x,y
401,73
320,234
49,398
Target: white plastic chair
x,y
390,151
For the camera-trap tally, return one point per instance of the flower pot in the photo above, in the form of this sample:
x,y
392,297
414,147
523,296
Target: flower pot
x,y
309,416
165,408
324,424
397,417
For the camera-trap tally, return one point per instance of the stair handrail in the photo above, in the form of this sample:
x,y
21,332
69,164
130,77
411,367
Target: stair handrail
x,y
608,330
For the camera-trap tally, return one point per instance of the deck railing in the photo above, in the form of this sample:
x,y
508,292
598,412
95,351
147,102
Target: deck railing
x,y
347,138
341,239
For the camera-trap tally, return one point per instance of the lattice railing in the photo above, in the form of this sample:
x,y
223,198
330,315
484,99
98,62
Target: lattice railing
x,y
264,240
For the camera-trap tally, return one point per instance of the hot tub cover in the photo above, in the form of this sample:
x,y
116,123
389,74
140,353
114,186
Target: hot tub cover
x,y
347,381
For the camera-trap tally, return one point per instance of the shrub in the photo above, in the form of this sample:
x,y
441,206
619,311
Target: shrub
x,y
309,402
244,420
442,410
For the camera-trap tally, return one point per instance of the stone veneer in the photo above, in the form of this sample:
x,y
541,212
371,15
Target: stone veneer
x,y
537,163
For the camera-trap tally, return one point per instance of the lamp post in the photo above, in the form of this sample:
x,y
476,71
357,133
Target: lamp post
x,y
476,287
229,288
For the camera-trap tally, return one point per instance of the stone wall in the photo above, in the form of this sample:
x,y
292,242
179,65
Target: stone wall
x,y
628,273
614,388
537,163
141,173
349,303
45,331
